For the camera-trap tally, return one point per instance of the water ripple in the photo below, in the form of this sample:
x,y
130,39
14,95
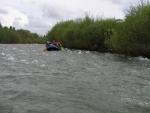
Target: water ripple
x,y
71,81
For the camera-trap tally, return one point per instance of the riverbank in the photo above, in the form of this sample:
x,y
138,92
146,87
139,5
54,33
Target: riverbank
x,y
130,36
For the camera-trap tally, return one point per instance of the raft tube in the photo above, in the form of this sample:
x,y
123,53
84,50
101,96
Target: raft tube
x,y
53,48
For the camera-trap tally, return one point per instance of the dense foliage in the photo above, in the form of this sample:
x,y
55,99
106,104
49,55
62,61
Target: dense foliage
x,y
83,33
130,36
133,35
12,36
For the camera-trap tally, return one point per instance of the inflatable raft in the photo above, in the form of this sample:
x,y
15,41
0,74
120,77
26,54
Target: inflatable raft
x,y
53,48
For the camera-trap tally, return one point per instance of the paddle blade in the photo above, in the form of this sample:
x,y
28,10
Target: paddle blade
x,y
62,48
43,49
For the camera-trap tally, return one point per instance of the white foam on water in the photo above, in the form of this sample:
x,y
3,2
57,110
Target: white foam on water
x,y
53,54
80,52
24,61
11,58
21,50
148,82
144,103
24,53
35,61
69,51
3,54
141,58
45,53
72,61
43,65
8,55
14,48
87,52
134,71
128,99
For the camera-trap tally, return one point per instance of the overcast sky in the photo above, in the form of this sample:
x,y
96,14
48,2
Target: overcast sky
x,y
40,16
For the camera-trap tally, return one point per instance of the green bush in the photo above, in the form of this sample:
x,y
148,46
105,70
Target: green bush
x,y
132,36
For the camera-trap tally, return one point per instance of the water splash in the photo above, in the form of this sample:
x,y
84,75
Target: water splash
x,y
11,58
24,61
3,54
35,61
79,52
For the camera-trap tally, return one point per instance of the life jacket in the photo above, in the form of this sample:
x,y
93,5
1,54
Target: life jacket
x,y
48,44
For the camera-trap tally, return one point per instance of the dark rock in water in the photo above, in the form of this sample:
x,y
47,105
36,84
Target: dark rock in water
x,y
147,56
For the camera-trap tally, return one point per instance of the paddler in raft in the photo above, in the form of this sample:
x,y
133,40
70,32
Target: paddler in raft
x,y
53,46
48,43
57,44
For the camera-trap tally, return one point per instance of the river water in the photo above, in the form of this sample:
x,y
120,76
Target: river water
x,y
71,81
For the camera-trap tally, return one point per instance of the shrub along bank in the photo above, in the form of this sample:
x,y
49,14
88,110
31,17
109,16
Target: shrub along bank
x,y
130,36
12,36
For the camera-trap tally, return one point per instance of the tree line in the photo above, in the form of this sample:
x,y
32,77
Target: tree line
x,y
130,36
12,36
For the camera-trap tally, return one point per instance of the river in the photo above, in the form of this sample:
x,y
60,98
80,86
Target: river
x,y
71,81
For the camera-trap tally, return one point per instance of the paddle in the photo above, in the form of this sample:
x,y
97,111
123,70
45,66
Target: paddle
x,y
62,48
43,49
